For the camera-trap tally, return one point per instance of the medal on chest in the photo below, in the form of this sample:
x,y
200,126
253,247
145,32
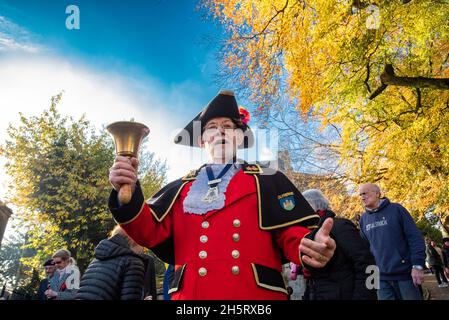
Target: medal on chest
x,y
213,192
211,195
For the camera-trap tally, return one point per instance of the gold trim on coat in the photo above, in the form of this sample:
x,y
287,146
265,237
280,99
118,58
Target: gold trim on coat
x,y
171,204
259,206
180,278
266,286
134,218
190,176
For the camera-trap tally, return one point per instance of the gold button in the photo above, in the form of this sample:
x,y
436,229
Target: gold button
x,y
205,225
203,239
202,271
235,254
203,254
236,237
235,270
236,223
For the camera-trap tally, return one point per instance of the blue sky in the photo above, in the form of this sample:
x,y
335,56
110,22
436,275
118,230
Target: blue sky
x,y
146,60
164,39
141,59
151,60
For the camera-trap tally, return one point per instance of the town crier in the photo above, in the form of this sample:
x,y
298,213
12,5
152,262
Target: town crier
x,y
228,226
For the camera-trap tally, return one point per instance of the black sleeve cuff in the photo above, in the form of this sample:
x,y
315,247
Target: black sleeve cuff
x,y
125,213
311,235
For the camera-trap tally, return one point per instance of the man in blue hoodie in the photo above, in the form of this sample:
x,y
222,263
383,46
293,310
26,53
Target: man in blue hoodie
x,y
396,243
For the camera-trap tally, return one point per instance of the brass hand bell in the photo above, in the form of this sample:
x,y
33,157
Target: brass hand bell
x,y
128,136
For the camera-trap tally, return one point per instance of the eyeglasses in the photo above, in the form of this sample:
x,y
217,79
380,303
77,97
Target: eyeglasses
x,y
225,126
57,262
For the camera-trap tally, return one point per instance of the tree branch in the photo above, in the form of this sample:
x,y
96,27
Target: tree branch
x,y
367,77
268,23
389,78
359,5
418,99
378,91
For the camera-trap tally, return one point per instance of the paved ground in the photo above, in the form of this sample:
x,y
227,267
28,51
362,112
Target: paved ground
x,y
431,286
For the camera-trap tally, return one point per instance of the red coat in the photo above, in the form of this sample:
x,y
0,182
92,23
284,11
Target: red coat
x,y
223,254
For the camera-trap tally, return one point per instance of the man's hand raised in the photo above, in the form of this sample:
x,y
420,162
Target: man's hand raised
x,y
319,251
124,171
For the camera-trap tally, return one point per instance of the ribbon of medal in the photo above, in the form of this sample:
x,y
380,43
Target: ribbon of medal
x,y
212,193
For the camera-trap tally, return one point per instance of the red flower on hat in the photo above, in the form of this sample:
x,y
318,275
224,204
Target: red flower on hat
x,y
244,115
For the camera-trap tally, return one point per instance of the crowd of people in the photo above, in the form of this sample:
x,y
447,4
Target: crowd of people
x,y
119,271
437,261
227,229
388,239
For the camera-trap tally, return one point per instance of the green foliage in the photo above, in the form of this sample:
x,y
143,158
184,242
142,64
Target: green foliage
x,y
29,290
328,58
10,253
429,230
60,169
151,173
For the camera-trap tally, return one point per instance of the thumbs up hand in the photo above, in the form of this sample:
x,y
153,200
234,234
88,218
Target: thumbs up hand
x,y
319,251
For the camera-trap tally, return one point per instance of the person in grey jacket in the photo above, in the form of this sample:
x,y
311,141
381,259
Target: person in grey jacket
x,y
117,272
64,283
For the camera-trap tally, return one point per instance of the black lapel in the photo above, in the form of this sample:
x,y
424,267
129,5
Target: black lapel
x,y
163,200
280,202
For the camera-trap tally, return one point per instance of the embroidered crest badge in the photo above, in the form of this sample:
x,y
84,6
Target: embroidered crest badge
x,y
287,201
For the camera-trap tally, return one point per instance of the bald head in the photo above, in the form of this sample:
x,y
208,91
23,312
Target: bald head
x,y
371,187
370,195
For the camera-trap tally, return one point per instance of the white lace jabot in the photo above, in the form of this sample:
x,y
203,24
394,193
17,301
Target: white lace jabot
x,y
194,203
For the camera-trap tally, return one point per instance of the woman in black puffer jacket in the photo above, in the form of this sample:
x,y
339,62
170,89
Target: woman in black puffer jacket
x,y
344,276
117,271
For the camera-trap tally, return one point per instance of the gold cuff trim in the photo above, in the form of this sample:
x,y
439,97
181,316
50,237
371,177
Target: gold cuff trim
x,y
135,217
171,204
266,286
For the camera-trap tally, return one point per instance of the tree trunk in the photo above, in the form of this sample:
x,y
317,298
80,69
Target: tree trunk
x,y
389,78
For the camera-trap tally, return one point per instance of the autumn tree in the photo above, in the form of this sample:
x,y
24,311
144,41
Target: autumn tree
x,y
377,72
59,168
11,251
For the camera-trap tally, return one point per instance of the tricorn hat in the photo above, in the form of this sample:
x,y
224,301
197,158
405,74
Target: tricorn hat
x,y
223,105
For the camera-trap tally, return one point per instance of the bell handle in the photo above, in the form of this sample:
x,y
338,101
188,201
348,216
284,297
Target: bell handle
x,y
125,194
